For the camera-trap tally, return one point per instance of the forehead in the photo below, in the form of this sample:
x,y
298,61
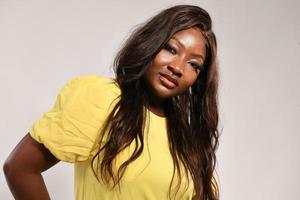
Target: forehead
x,y
192,39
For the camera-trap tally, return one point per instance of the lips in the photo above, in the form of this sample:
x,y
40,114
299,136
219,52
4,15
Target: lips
x,y
168,80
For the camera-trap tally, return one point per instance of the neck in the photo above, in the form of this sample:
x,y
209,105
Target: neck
x,y
156,110
155,105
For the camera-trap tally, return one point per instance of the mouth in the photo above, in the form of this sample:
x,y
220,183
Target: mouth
x,y
168,80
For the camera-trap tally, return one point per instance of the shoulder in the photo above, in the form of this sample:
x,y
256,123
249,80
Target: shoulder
x,y
92,85
70,130
91,90
92,80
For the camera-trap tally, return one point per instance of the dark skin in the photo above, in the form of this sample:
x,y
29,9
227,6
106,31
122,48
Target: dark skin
x,y
23,169
175,68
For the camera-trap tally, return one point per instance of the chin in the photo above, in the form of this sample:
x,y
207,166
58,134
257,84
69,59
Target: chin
x,y
164,93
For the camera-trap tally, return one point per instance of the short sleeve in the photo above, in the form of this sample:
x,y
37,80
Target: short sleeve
x,y
71,129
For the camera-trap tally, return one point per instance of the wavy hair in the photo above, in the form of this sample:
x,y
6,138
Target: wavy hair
x,y
193,138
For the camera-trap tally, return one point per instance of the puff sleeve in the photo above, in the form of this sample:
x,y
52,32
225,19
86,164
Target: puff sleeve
x,y
71,129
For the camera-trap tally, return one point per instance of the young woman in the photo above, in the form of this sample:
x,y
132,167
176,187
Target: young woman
x,y
150,133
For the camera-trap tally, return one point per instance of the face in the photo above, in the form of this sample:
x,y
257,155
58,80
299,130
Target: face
x,y
177,66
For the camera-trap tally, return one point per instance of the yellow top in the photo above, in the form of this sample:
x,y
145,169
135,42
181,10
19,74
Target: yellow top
x,y
71,131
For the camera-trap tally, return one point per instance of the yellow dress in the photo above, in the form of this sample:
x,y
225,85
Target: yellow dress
x,y
71,131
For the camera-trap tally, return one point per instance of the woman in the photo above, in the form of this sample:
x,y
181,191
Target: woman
x,y
151,133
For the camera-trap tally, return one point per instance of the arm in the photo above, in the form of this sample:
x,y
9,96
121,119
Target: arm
x,y
23,169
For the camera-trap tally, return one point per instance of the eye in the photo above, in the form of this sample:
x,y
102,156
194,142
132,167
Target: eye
x,y
171,49
196,66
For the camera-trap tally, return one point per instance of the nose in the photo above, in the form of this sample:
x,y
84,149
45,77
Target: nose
x,y
176,68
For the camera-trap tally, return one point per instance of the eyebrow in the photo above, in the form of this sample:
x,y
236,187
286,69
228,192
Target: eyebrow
x,y
193,54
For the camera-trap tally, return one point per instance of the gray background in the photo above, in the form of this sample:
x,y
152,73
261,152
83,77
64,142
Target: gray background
x,y
44,43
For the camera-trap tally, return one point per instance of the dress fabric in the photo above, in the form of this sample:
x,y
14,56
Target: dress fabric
x,y
71,131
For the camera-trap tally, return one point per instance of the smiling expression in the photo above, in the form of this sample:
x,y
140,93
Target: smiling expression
x,y
176,66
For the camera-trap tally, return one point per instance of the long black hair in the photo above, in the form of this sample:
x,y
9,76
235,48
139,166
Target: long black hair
x,y
193,138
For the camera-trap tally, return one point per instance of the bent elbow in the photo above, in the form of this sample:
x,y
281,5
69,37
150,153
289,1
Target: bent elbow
x,y
11,169
7,169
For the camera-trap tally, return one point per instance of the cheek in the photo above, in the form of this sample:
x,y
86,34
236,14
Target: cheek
x,y
191,74
189,80
162,59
